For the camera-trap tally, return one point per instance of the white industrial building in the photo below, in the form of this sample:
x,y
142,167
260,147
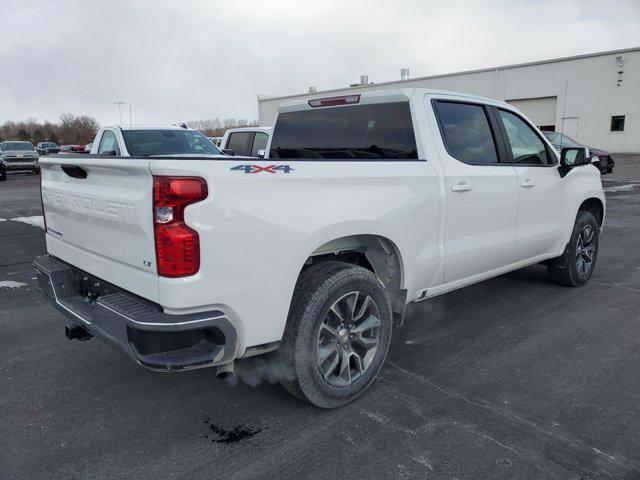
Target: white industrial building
x,y
592,98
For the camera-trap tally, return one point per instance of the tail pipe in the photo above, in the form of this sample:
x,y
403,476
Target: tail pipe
x,y
225,370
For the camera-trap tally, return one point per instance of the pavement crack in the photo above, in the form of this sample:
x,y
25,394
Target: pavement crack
x,y
577,444
617,285
15,264
437,387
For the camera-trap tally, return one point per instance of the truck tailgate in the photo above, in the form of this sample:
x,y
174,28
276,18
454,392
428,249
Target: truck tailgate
x,y
98,213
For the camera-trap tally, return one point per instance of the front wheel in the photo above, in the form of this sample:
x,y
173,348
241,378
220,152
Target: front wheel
x,y
337,334
582,253
3,177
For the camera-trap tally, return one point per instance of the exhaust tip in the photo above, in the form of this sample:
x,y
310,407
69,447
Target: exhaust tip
x,y
225,370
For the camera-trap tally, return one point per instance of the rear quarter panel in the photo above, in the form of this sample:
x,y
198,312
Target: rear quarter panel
x,y
257,230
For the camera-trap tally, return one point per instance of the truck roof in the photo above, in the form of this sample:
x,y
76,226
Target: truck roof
x,y
249,129
384,96
148,127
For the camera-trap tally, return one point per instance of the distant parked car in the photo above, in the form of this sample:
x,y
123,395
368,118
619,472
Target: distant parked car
x,y
87,147
599,158
246,141
3,170
45,148
72,149
20,155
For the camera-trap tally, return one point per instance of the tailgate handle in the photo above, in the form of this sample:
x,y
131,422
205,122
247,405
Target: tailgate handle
x,y
74,171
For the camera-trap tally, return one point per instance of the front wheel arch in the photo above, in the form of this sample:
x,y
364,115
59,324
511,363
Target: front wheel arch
x,y
595,207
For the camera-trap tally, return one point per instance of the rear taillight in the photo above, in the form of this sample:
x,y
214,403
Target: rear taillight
x,y
177,245
333,101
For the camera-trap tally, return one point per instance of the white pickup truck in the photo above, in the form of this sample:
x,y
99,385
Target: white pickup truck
x,y
146,141
365,204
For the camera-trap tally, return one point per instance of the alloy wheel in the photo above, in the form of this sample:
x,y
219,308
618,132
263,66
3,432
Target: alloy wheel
x,y
585,249
348,338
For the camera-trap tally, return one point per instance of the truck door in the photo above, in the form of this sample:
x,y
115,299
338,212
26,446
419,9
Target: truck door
x,y
540,226
481,190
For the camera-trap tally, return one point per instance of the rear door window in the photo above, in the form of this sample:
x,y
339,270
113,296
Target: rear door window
x,y
466,132
239,143
259,143
108,144
377,132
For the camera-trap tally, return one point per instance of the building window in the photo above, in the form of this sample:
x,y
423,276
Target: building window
x,y
617,123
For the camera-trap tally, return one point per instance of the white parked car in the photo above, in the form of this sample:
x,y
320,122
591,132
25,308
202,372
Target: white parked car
x,y
247,141
364,204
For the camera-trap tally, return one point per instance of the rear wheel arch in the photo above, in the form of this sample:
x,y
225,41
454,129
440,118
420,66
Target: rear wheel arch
x,y
376,253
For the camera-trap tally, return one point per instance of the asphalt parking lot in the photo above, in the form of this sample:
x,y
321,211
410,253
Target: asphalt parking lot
x,y
515,377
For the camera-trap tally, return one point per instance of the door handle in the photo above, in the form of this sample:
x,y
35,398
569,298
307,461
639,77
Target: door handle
x,y
74,171
526,183
461,187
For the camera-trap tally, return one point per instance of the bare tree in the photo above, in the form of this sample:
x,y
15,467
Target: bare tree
x,y
71,130
215,127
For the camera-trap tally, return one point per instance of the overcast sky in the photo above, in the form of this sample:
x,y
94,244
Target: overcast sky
x,y
198,59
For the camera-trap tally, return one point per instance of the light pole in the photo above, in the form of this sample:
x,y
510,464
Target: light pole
x,y
119,109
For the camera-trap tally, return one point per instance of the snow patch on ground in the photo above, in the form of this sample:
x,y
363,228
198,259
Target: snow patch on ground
x,y
11,284
36,220
619,188
2,220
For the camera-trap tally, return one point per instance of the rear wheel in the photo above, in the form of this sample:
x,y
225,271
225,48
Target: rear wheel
x,y
3,177
337,334
582,253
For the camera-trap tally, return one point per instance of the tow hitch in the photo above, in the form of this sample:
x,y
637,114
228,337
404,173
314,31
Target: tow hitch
x,y
77,333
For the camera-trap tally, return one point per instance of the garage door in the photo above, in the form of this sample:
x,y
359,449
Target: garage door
x,y
541,111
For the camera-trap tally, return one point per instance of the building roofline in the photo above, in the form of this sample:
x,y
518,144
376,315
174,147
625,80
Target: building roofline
x,y
263,98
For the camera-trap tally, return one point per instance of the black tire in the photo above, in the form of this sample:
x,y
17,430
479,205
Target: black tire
x,y
571,274
318,288
3,177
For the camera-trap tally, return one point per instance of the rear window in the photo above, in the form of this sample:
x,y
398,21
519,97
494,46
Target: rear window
x,y
144,143
379,131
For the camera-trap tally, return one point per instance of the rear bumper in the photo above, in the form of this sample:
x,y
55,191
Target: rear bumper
x,y
154,339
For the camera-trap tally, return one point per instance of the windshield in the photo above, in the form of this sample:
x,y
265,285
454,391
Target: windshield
x,y
144,143
377,131
17,146
561,139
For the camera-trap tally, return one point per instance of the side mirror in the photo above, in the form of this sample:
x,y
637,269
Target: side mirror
x,y
261,153
228,151
574,156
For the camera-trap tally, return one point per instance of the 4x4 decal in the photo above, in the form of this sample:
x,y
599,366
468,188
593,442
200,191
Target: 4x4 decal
x,y
263,169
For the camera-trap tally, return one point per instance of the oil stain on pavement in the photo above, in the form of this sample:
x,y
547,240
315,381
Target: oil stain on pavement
x,y
233,435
